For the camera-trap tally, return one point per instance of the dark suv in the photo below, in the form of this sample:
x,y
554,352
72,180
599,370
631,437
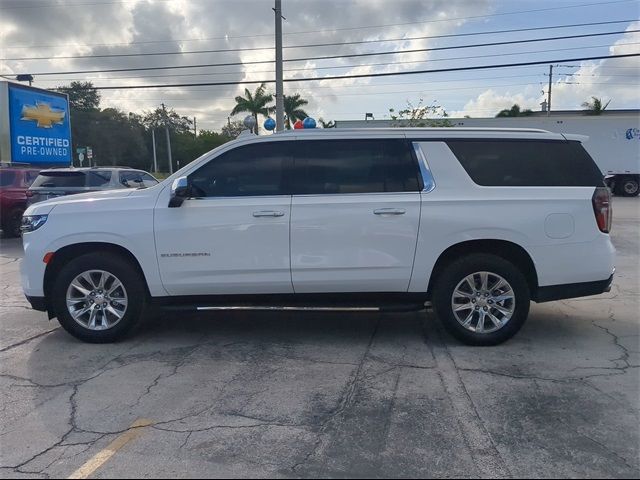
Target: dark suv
x,y
14,182
58,182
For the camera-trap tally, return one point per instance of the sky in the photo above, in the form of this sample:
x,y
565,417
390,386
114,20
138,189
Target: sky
x,y
89,28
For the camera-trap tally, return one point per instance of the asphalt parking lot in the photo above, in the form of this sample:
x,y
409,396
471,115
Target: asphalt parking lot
x,y
330,395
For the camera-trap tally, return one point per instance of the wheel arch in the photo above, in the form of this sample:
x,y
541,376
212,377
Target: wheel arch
x,y
505,249
65,254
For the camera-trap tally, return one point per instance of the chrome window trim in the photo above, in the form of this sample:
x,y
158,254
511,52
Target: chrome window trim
x,y
425,171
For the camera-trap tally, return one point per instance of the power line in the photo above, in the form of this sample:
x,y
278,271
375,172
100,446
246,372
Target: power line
x,y
359,42
332,57
227,37
334,67
372,75
584,5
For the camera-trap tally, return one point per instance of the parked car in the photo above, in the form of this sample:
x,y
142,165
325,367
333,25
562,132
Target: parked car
x,y
478,222
15,179
59,182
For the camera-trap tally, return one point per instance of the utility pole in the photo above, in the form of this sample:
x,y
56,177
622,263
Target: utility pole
x,y
155,160
279,83
549,92
195,127
166,131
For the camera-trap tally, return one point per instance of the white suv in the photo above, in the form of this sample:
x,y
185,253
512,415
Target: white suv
x,y
476,221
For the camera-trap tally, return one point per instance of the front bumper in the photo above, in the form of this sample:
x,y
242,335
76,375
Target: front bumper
x,y
573,290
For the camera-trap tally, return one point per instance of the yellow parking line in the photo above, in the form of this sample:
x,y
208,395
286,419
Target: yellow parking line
x,y
99,459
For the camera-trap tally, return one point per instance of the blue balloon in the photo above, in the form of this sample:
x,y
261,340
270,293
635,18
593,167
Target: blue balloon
x,y
309,123
269,124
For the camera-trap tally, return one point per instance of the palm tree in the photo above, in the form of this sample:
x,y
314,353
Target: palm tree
x,y
255,104
292,109
594,107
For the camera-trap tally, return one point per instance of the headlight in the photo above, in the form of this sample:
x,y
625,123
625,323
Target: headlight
x,y
32,222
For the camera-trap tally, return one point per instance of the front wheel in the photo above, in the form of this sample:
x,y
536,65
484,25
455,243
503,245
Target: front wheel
x,y
481,299
98,297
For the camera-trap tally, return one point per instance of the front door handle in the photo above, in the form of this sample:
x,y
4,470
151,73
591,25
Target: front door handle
x,y
268,213
390,211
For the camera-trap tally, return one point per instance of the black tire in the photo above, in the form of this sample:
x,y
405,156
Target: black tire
x,y
116,265
11,224
455,272
629,187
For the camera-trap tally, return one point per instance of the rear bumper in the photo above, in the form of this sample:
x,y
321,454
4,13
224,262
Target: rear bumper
x,y
572,290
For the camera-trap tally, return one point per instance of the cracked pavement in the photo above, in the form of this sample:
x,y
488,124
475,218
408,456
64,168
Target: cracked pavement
x,y
329,395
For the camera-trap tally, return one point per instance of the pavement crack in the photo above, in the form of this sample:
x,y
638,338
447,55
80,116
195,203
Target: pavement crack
x,y
27,340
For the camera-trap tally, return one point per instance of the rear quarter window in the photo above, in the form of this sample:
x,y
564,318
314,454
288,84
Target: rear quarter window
x,y
525,163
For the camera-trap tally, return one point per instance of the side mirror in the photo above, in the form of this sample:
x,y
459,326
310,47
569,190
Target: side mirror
x,y
179,192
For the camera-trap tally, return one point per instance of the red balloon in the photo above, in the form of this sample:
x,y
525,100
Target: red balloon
x,y
298,125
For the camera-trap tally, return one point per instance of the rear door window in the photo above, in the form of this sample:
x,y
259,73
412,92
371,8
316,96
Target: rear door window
x,y
527,163
355,166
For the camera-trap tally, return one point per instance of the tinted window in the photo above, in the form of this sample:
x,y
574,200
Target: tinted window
x,y
6,178
31,176
257,169
527,163
100,178
59,179
131,179
148,180
355,166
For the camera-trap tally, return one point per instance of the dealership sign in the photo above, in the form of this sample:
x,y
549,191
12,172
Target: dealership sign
x,y
39,127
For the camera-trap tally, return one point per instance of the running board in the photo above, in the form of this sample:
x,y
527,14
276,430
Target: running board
x,y
294,308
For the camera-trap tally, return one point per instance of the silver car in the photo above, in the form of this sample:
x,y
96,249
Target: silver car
x,y
58,182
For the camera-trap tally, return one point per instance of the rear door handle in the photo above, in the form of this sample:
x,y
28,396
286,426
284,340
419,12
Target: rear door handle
x,y
268,213
390,211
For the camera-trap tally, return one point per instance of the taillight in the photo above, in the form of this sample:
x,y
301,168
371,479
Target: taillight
x,y
601,201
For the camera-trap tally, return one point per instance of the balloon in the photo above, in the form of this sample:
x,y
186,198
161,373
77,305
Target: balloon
x,y
309,123
269,124
298,125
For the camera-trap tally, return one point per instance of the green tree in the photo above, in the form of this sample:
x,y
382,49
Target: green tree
x,y
232,129
160,117
292,109
420,115
115,137
186,148
83,96
255,104
514,111
595,107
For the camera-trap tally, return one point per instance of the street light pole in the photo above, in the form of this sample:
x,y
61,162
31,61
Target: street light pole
x,y
279,83
166,131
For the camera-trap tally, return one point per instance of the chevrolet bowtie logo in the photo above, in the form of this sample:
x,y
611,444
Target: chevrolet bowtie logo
x,y
43,115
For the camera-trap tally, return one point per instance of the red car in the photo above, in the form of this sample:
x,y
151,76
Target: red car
x,y
14,182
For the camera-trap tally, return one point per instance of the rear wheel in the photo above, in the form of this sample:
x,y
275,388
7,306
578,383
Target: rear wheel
x,y
481,299
98,297
629,187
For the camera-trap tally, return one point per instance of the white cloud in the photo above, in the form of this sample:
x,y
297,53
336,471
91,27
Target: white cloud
x,y
617,80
